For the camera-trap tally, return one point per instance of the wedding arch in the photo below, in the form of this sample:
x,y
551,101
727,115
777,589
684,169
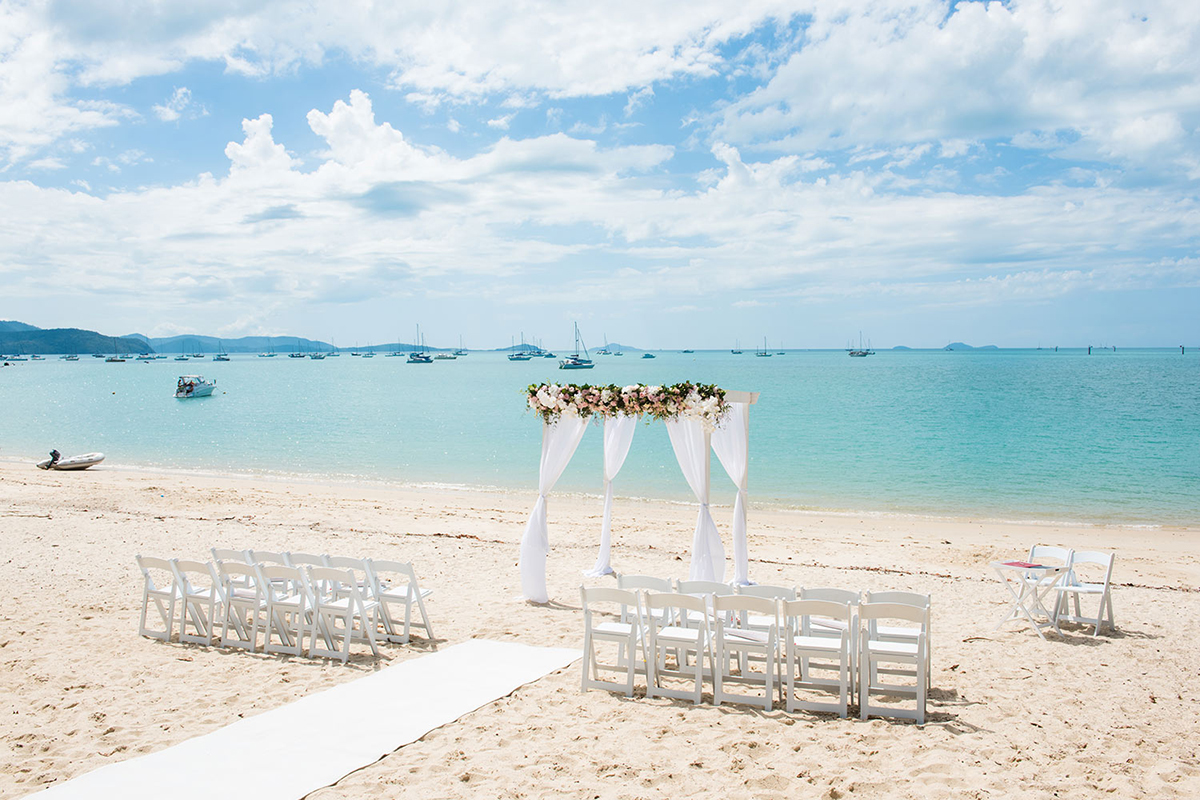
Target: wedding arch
x,y
700,419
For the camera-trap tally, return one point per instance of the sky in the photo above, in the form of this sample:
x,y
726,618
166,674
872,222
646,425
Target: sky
x,y
666,174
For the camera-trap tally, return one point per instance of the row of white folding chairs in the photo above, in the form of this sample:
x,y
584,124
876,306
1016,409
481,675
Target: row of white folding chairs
x,y
821,626
229,601
398,587
796,642
1070,586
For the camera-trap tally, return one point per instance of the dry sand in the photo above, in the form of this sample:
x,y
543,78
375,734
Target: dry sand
x,y
1009,713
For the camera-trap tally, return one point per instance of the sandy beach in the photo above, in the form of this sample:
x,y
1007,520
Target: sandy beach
x,y
1072,717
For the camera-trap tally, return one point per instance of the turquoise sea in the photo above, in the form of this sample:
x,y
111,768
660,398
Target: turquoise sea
x,y
1008,434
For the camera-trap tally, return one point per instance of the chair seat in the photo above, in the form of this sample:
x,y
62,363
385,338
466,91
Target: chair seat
x,y
755,637
673,633
823,643
344,603
759,621
613,628
243,593
291,600
1082,588
402,593
893,648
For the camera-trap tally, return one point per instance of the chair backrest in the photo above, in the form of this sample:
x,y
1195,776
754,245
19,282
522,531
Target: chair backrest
x,y
193,575
1085,557
278,581
772,592
803,609
738,603
683,602
340,582
266,557
306,560
832,595
236,572
149,565
703,587
907,598
377,568
635,582
1040,553
225,554
899,611
594,595
345,562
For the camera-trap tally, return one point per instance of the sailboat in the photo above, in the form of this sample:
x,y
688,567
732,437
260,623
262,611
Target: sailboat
x,y
737,348
270,350
604,351
764,353
395,350
520,355
461,351
221,354
861,352
418,355
182,353
576,360
298,353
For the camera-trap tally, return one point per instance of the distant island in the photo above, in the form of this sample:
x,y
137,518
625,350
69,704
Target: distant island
x,y
962,346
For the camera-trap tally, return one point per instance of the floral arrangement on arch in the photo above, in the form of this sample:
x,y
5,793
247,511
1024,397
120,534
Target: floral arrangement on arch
x,y
693,400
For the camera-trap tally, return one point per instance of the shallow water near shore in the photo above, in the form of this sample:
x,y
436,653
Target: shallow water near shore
x,y
1009,434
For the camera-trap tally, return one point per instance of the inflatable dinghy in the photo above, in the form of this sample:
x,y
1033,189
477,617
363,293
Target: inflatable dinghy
x,y
56,461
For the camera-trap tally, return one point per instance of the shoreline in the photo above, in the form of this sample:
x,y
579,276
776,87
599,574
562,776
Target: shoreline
x,y
317,479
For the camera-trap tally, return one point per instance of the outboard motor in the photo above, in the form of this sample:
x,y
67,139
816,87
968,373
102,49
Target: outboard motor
x,y
54,457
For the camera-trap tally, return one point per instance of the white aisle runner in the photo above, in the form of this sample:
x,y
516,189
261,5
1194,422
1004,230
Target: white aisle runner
x,y
316,741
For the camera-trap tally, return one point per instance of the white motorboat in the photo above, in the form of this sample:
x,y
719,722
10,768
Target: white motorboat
x,y
56,461
194,386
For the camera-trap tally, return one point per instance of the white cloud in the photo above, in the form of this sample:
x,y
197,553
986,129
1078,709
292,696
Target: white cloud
x,y
48,163
501,123
175,105
381,216
638,99
1119,78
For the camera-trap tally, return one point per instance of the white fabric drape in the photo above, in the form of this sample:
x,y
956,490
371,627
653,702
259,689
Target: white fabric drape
x,y
559,440
691,443
618,435
731,443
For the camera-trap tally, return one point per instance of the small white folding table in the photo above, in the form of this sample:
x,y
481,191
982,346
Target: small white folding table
x,y
1029,584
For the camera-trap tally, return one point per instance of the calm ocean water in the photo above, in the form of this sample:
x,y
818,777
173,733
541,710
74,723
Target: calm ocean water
x,y
1010,434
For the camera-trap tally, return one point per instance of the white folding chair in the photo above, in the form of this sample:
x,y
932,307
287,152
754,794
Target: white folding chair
x,y
705,590
244,604
874,652
163,592
339,612
202,600
736,641
1072,587
681,640
805,650
825,626
1049,555
760,623
886,633
286,609
624,634
395,583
